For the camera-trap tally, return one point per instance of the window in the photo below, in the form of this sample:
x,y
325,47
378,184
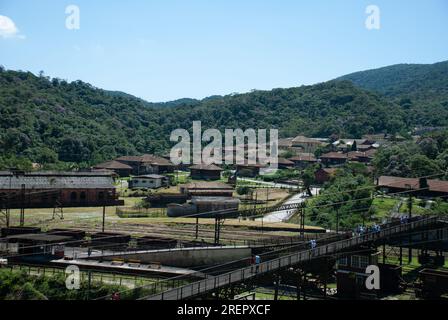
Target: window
x,y
83,196
73,196
360,262
101,195
343,261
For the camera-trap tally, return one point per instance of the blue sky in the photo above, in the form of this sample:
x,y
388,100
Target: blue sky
x,y
162,50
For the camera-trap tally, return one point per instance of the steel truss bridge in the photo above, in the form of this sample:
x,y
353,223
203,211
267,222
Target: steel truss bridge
x,y
390,231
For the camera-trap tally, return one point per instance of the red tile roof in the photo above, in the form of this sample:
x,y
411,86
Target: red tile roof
x,y
146,158
284,161
333,155
304,157
403,183
113,165
206,167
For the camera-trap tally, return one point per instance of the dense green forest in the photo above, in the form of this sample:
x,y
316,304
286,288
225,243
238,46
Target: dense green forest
x,y
420,89
426,157
63,125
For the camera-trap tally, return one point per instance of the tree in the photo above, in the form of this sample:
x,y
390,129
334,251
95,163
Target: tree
x,y
242,190
421,165
347,197
308,178
429,147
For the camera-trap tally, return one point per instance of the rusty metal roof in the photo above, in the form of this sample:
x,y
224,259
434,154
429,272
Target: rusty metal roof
x,y
57,180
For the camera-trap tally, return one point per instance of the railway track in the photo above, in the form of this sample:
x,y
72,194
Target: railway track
x,y
180,233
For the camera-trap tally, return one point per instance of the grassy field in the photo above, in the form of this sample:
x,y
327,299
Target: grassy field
x,y
384,206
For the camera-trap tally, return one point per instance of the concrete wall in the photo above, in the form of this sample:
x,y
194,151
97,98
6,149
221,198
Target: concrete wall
x,y
186,258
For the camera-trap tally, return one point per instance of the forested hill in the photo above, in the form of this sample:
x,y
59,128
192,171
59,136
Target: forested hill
x,y
404,79
50,121
421,89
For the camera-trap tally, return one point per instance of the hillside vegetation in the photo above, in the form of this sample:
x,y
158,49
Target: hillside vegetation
x,y
60,124
420,89
50,121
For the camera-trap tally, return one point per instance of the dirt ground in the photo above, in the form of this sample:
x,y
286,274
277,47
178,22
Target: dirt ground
x,y
90,219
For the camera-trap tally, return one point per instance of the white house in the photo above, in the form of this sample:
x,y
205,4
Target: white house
x,y
150,181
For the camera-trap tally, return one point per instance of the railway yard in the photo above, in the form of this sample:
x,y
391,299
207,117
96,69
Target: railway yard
x,y
151,254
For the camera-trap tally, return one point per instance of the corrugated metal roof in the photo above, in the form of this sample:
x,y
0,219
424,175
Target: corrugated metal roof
x,y
207,186
48,180
149,176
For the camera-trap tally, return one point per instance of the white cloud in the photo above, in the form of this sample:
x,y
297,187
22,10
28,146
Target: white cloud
x,y
8,28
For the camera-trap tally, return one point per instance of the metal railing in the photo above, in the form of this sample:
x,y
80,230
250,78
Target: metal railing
x,y
215,282
261,243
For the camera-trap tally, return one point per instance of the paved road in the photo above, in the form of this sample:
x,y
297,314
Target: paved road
x,y
283,215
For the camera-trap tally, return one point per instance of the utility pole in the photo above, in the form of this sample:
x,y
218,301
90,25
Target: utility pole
x,y
104,217
262,224
255,202
22,206
337,220
217,229
410,199
277,284
89,277
302,221
197,228
8,206
267,197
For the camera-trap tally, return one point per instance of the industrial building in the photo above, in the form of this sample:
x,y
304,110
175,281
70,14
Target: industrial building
x,y
422,187
35,243
248,170
207,189
334,159
303,160
121,169
147,164
205,172
150,181
203,205
67,189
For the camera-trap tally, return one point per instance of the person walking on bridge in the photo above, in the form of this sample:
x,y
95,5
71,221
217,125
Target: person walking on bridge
x,y
257,263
